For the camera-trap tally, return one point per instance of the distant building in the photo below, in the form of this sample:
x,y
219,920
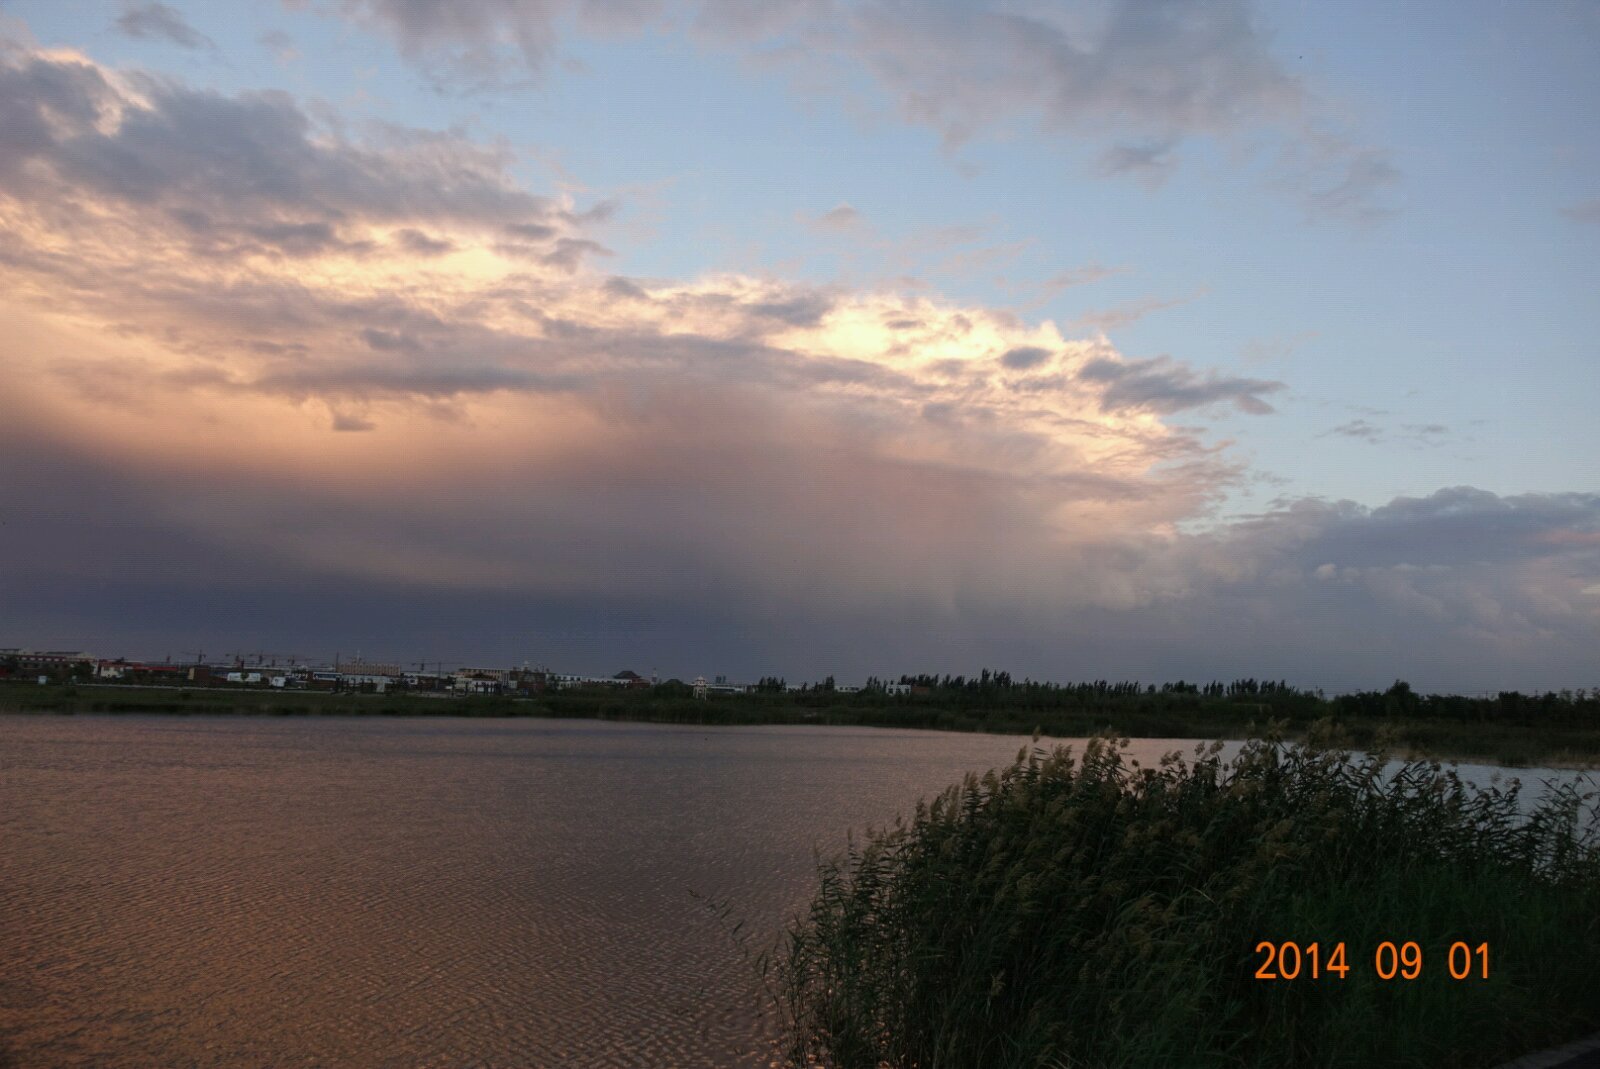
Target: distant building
x,y
34,660
375,682
480,680
563,681
45,664
126,671
499,675
429,681
721,686
373,669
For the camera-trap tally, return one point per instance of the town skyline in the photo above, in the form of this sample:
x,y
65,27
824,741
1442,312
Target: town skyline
x,y
86,666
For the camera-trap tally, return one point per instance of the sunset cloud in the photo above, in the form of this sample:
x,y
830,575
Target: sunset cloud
x,y
251,268
267,364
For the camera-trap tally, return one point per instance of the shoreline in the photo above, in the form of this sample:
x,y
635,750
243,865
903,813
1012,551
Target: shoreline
x,y
1511,746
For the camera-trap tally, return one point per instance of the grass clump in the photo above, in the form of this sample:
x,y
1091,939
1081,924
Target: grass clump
x,y
1082,911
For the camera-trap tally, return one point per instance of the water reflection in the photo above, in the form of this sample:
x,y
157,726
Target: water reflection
x,y
232,892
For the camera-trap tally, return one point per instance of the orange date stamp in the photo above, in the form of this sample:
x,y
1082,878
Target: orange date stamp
x,y
1390,961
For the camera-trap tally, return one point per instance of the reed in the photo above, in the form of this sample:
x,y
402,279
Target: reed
x,y
1078,910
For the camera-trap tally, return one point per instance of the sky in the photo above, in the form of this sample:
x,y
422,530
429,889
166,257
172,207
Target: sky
x,y
1124,339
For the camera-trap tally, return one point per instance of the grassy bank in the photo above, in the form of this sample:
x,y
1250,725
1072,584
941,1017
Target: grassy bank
x,y
1081,911
1509,729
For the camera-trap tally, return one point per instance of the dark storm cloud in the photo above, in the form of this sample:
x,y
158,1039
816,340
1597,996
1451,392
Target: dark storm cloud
x,y
1460,526
160,22
1163,385
1463,586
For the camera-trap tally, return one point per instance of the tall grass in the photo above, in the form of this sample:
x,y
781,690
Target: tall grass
x,y
1082,911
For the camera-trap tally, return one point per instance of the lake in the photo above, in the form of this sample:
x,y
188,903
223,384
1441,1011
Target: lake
x,y
369,892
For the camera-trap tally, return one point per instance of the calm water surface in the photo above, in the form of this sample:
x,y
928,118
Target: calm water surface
x,y
376,892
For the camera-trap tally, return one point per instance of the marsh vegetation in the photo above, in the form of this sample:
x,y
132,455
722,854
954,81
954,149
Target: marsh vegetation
x,y
1076,909
1509,728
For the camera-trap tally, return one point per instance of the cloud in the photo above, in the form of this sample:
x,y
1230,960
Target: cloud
x,y
1584,212
247,173
240,245
1356,195
940,251
842,219
1420,585
1150,161
610,552
1135,77
1024,357
1359,429
218,383
626,289
1418,435
485,43
1162,385
1164,66
568,253
803,309
454,320
1081,276
159,22
415,241
530,231
1036,294
1128,314
280,44
1267,350
347,423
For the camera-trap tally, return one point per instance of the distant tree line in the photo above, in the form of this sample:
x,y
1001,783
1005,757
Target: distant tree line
x,y
1000,690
